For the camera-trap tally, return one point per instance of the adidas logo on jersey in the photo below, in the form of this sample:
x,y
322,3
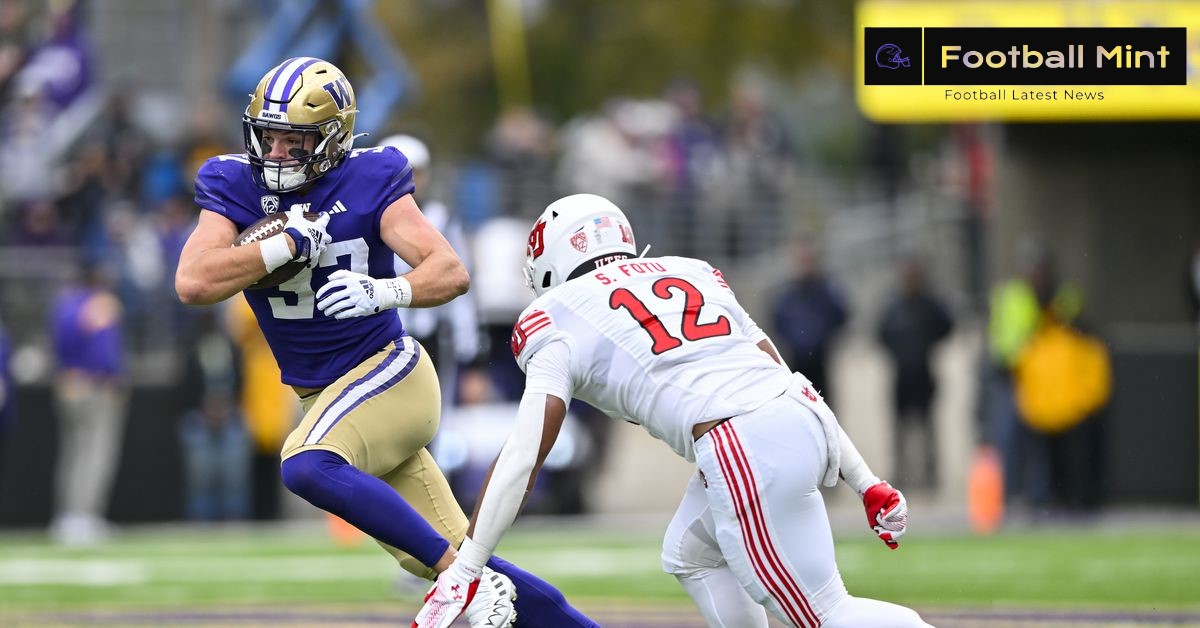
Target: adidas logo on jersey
x,y
337,208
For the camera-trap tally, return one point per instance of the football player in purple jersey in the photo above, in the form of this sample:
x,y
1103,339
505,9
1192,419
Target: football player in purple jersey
x,y
369,393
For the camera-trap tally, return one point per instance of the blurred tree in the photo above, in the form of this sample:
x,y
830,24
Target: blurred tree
x,y
583,52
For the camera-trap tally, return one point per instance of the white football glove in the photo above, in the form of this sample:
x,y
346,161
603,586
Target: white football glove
x,y
449,597
348,294
887,513
310,236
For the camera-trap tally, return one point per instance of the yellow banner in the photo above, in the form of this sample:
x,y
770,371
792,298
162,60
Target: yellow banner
x,y
939,103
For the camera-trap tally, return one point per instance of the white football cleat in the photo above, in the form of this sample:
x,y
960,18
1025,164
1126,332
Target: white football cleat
x,y
492,606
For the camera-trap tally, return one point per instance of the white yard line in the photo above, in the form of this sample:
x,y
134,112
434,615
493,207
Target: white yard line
x,y
356,566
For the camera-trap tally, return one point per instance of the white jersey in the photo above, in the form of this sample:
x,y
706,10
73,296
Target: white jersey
x,y
660,342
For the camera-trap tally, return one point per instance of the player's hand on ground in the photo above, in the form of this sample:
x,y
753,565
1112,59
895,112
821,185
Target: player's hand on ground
x,y
449,597
887,513
310,236
349,294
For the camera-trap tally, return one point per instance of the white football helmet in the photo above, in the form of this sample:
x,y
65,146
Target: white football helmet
x,y
308,96
575,235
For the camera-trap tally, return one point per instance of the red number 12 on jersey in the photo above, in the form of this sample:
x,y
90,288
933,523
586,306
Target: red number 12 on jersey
x,y
693,300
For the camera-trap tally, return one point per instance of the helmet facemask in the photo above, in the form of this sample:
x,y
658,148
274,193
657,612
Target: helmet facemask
x,y
305,166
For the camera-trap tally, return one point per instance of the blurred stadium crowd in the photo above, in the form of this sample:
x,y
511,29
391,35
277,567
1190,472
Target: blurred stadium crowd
x,y
96,207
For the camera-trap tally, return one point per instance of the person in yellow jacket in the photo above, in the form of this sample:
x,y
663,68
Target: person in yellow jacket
x,y
269,406
1062,376
1017,306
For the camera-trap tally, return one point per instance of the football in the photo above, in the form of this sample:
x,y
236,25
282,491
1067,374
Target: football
x,y
262,229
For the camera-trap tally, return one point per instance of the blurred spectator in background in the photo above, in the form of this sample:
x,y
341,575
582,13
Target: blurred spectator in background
x,y
499,287
692,152
973,162
173,221
912,325
1194,283
14,42
268,406
40,225
129,146
62,66
7,402
59,97
472,432
90,394
216,448
449,333
758,164
133,249
887,158
1062,380
27,157
808,314
204,138
159,178
614,154
1017,307
521,145
85,193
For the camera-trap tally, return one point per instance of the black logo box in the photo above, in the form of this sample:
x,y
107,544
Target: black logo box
x,y
907,40
1076,44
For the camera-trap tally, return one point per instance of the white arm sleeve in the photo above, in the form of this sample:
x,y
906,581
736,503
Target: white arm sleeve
x,y
548,372
855,471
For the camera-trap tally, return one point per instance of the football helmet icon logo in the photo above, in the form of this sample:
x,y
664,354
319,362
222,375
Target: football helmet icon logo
x,y
890,56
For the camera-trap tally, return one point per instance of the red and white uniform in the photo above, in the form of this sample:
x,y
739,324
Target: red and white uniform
x,y
660,342
663,343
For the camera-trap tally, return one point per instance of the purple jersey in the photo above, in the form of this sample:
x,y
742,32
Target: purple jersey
x,y
312,349
87,336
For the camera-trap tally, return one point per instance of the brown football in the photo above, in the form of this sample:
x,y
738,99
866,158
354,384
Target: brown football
x,y
266,227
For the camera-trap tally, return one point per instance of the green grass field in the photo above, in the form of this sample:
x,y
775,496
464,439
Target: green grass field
x,y
1143,570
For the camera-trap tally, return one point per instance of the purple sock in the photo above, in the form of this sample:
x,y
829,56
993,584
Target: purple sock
x,y
539,604
365,501
333,485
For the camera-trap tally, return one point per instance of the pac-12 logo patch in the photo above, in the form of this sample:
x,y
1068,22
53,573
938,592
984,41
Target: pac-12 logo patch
x,y
270,203
580,241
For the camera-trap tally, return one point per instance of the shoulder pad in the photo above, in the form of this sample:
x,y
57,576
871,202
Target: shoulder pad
x,y
534,329
386,166
214,180
708,269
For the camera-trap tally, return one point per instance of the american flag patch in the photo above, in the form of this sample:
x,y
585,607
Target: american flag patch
x,y
604,221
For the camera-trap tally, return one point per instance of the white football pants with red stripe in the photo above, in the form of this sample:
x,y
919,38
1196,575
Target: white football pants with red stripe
x,y
752,529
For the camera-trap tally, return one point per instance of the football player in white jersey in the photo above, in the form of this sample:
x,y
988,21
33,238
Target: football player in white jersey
x,y
663,343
